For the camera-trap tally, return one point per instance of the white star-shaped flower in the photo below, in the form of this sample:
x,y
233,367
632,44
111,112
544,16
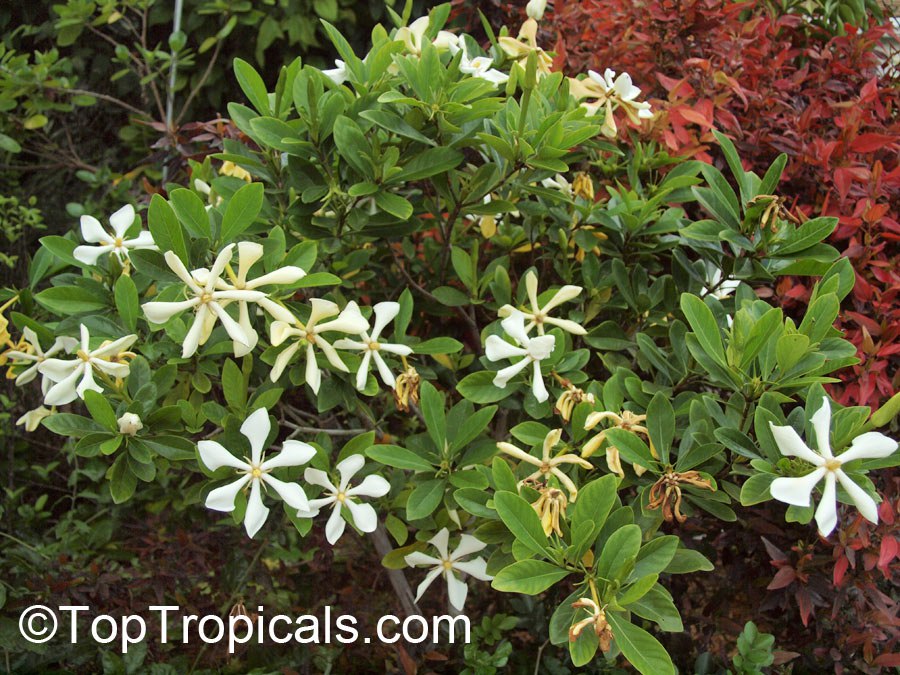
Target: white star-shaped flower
x,y
482,68
338,74
256,471
372,346
539,316
74,377
716,286
36,356
92,232
249,253
350,320
363,515
559,182
414,37
797,491
450,564
531,350
548,465
208,303
610,92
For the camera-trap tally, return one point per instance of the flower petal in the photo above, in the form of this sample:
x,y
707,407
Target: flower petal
x,y
476,568
566,325
160,312
538,388
564,294
467,546
121,220
417,558
92,231
870,445
59,369
293,453
364,516
347,468
504,375
283,275
399,350
89,255
791,445
257,512
87,382
222,498
427,581
320,478
350,321
280,331
321,309
385,312
333,357
371,486
866,505
192,339
232,327
334,528
115,347
796,491
826,513
514,326
440,541
256,429
496,348
362,374
215,456
386,375
290,493
282,361
456,590
64,390
821,421
218,267
175,264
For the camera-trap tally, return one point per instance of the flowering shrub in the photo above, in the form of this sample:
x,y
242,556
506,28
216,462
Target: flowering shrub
x,y
562,382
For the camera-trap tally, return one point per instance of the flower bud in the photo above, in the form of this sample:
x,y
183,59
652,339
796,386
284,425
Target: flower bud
x,y
130,424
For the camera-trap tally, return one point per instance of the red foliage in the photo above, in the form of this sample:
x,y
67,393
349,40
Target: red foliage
x,y
774,86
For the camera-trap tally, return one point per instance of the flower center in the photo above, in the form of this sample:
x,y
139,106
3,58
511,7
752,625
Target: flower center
x,y
374,346
118,242
447,565
205,297
84,356
256,472
341,497
833,464
545,467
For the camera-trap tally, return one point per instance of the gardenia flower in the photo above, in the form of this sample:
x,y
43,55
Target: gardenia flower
x,y
532,351
249,253
538,315
628,421
550,507
519,48
74,377
92,232
30,351
32,419
338,74
385,312
596,619
129,424
363,515
797,491
348,321
716,286
413,36
229,168
208,303
535,9
450,563
559,182
256,471
546,464
610,92
481,67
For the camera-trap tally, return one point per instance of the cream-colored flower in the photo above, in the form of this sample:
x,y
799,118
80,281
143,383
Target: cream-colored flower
x,y
29,352
414,37
539,316
229,168
32,419
372,346
571,397
349,320
535,9
531,350
798,491
93,233
129,424
447,563
547,464
610,92
551,507
249,253
628,421
519,48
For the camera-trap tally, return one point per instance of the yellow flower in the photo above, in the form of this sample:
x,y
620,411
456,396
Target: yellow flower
x,y
583,186
628,421
546,464
550,506
229,168
571,397
406,388
519,48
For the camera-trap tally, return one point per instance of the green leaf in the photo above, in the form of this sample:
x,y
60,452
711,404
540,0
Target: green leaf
x,y
704,325
472,427
425,498
429,163
438,345
70,300
127,301
522,521
353,146
253,86
478,387
233,386
191,211
62,248
399,458
656,605
631,447
688,560
100,409
528,576
243,208
655,555
756,489
318,279
642,650
394,204
661,424
122,482
619,552
595,501
165,228
69,424
431,402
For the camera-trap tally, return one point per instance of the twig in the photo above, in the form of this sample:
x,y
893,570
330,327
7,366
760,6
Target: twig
x,y
330,432
199,86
